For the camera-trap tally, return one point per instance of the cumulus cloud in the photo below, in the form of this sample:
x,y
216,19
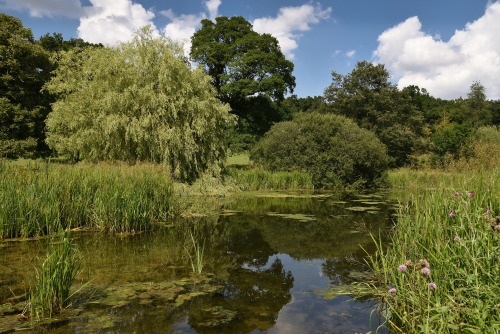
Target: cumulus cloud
x,y
182,27
46,8
112,21
289,21
445,68
213,8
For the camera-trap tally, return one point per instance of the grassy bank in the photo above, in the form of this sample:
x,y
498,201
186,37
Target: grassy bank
x,y
440,272
40,198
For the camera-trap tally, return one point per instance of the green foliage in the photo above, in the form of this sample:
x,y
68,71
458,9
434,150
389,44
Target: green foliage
x,y
241,62
49,290
24,68
139,101
488,134
454,234
450,138
476,109
248,70
56,43
331,148
38,199
366,96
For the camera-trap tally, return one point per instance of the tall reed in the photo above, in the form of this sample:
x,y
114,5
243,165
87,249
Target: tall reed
x,y
39,198
50,287
441,270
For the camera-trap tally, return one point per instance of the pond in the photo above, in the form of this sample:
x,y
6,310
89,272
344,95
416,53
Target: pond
x,y
266,263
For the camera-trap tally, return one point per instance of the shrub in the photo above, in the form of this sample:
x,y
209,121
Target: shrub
x,y
331,148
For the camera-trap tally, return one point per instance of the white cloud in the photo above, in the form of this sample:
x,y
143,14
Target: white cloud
x,y
351,53
290,20
182,27
445,68
46,8
112,21
213,8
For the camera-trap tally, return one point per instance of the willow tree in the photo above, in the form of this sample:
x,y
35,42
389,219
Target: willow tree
x,y
139,101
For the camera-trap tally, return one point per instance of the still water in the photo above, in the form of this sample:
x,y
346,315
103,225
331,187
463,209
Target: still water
x,y
267,263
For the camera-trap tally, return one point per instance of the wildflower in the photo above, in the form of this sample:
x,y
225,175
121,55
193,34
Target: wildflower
x,y
425,271
494,220
471,193
457,194
497,228
432,285
402,268
409,263
452,213
488,211
393,290
456,239
424,263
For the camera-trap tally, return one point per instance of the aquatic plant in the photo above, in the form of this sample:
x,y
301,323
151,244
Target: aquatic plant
x,y
259,179
459,255
196,255
50,286
39,198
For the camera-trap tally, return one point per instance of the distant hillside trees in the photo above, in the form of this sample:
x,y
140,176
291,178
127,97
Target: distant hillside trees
x,y
138,101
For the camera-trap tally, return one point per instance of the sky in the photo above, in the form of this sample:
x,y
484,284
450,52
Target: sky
x,y
443,46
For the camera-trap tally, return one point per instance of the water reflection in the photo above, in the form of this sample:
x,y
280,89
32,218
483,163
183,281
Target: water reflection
x,y
263,261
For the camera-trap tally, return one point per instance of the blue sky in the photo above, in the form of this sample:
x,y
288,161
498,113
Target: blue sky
x,y
442,46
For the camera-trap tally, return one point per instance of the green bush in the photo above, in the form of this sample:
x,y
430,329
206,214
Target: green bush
x,y
331,148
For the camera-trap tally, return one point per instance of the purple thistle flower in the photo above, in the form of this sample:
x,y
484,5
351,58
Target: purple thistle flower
x,y
457,194
425,271
456,239
452,213
402,268
424,263
471,193
409,263
432,285
393,290
488,211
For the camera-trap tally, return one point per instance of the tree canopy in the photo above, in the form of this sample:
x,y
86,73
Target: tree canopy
x,y
24,68
241,61
368,97
138,101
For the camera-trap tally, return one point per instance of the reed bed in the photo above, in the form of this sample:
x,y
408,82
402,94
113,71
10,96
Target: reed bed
x,y
257,179
441,271
39,198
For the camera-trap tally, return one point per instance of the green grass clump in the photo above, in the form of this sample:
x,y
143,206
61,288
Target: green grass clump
x,y
455,230
40,198
50,287
257,179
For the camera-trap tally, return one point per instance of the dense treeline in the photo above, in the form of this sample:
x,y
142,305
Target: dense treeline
x,y
128,103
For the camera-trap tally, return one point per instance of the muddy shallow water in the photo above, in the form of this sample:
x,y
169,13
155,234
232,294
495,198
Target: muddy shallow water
x,y
269,263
